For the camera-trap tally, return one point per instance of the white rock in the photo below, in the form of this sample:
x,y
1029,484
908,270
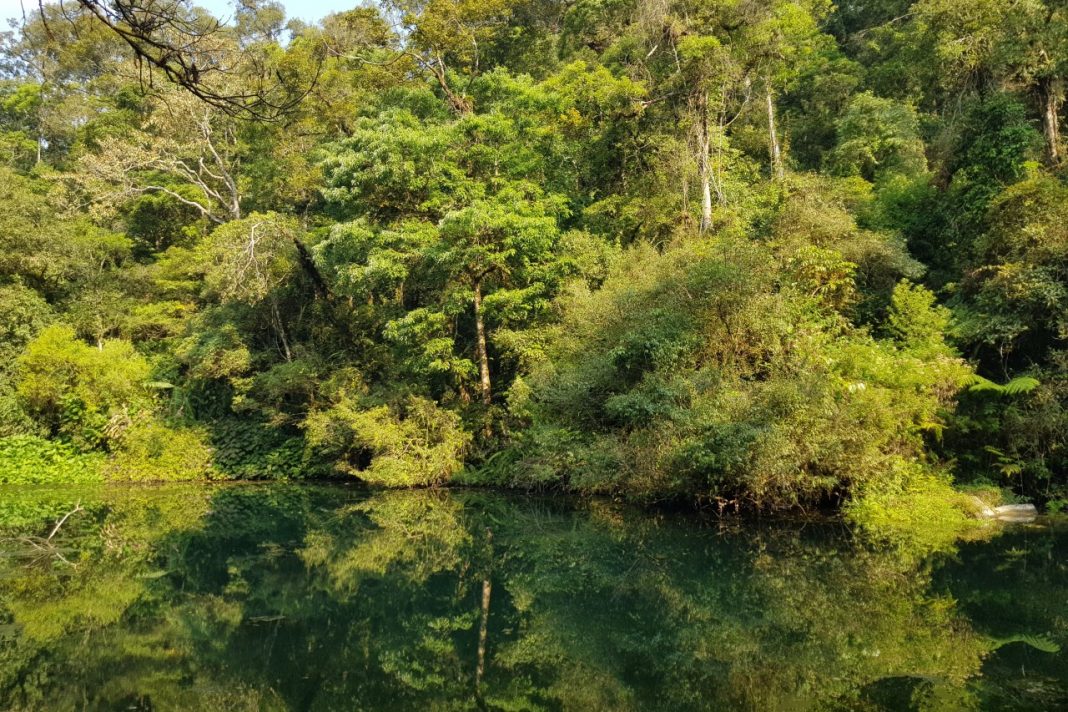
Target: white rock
x,y
1016,512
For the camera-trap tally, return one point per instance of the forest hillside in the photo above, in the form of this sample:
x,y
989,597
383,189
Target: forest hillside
x,y
761,254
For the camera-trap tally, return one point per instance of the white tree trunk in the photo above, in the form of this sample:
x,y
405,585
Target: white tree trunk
x,y
483,632
483,355
777,170
705,168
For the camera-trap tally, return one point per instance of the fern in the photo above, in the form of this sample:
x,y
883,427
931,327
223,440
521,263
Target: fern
x,y
1005,464
1015,387
1038,642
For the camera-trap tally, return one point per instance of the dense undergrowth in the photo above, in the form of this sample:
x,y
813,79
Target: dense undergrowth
x,y
765,255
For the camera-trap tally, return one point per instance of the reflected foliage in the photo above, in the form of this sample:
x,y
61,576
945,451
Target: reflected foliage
x,y
278,597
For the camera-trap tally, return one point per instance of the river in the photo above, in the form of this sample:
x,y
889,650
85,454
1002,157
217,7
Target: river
x,y
309,597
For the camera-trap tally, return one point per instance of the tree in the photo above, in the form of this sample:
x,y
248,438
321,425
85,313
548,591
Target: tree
x,y
1023,44
39,246
196,52
776,36
445,39
481,242
713,83
879,137
503,251
187,150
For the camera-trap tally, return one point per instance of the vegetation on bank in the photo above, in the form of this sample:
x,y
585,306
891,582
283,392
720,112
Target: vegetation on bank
x,y
767,254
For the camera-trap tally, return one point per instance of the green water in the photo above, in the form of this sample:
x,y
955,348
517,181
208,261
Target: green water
x,y
280,597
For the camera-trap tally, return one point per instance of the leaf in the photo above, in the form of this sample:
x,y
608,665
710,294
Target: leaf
x,y
1038,642
1017,386
1010,469
1021,384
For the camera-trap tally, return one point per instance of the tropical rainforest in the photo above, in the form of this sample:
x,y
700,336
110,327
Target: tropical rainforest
x,y
760,254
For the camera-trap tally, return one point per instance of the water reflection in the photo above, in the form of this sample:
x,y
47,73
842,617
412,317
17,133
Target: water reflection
x,y
316,598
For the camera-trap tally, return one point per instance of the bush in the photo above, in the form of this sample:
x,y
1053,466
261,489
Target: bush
x,y
415,443
249,449
29,460
23,313
916,511
150,451
75,390
742,387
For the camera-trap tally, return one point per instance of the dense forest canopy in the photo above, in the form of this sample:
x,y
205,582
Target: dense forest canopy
x,y
768,253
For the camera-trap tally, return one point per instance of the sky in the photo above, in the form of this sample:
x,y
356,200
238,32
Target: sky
x,y
307,10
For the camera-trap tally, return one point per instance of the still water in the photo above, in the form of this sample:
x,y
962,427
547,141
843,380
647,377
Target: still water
x,y
285,597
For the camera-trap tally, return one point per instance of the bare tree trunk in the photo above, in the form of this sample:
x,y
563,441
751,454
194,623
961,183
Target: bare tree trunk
x,y
281,330
705,167
774,149
1052,97
460,103
483,356
225,171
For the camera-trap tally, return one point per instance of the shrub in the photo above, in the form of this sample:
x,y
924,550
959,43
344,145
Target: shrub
x,y
411,444
25,459
744,386
150,451
74,390
249,449
917,511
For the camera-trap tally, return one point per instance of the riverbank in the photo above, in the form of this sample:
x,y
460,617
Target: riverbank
x,y
928,515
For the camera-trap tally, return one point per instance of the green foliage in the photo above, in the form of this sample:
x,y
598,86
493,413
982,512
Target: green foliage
x,y
1013,309
878,138
922,513
1013,298
81,393
157,221
1038,642
993,149
916,321
150,451
250,258
1017,386
246,449
24,314
728,390
663,250
830,256
29,460
415,443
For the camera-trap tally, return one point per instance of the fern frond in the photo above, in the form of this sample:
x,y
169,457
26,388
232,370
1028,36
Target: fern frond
x,y
1038,642
1015,387
1021,384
